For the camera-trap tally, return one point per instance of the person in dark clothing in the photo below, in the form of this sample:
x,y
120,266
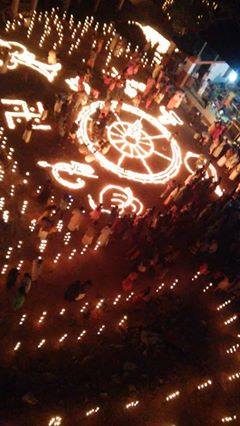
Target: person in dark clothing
x,y
12,278
45,192
77,290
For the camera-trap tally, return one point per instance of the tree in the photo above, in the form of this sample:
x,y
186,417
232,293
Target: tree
x,y
187,16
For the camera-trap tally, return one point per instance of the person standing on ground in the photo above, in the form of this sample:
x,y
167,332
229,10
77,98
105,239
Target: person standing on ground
x,y
26,283
45,112
89,235
52,57
77,290
45,192
19,299
92,59
76,219
104,236
6,62
37,264
12,278
176,100
96,213
27,134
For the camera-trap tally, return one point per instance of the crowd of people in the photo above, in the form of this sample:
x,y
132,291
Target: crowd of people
x,y
189,227
158,237
221,148
190,220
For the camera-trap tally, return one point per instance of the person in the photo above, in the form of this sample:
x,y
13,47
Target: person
x,y
149,86
77,291
100,44
146,294
6,62
63,204
26,283
92,59
96,213
114,214
137,100
149,100
52,57
73,132
12,278
45,192
128,281
36,271
219,149
223,159
105,109
19,299
203,83
58,105
158,96
171,185
232,161
201,161
216,129
214,145
89,235
45,111
119,105
157,71
80,100
27,134
229,99
75,220
104,236
114,42
46,226
147,46
176,100
81,80
171,197
235,172
62,127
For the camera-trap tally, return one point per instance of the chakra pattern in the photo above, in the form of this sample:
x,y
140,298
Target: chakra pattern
x,y
132,140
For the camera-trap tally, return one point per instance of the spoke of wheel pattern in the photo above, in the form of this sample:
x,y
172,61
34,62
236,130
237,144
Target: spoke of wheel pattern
x,y
143,161
142,149
117,131
145,143
162,155
117,142
121,159
125,147
119,121
131,149
145,138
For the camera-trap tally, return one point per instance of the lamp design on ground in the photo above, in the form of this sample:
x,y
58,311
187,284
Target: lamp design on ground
x,y
20,55
142,149
169,117
115,195
71,169
133,87
21,111
73,84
